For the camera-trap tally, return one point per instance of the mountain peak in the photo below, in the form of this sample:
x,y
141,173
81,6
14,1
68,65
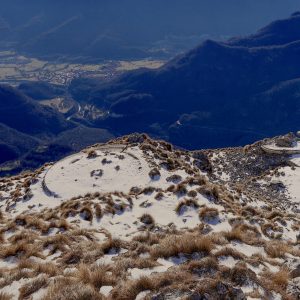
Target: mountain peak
x,y
295,14
279,32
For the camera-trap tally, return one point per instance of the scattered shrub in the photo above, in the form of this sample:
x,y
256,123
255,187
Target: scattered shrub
x,y
147,219
91,154
186,203
154,174
174,178
208,213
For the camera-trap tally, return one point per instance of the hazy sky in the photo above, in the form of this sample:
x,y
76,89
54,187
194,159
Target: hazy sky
x,y
207,16
141,23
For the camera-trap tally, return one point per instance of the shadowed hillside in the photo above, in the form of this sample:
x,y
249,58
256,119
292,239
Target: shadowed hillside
x,y
216,95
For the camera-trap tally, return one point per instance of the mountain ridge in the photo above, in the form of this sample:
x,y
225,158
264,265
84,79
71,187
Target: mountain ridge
x,y
218,79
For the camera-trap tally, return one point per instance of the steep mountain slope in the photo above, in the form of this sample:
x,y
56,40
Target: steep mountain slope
x,y
219,87
137,218
14,144
41,90
25,115
32,134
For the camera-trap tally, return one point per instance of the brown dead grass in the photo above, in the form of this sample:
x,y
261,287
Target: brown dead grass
x,y
186,202
147,219
203,266
208,213
132,288
124,264
91,154
87,213
111,243
73,256
192,193
235,234
228,251
180,189
98,211
5,296
70,289
277,282
276,249
48,268
172,245
154,173
21,250
159,196
147,238
33,286
96,276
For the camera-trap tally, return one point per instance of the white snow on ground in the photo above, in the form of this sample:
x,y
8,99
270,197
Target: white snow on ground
x,y
118,169
291,179
287,149
73,176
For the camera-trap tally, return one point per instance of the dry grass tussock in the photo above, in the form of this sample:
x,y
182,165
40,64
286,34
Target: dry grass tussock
x,y
180,189
70,289
277,249
228,251
5,296
207,265
21,250
154,173
208,213
110,244
33,286
91,154
87,213
132,288
95,276
244,233
98,211
48,268
147,238
141,263
186,203
172,245
277,282
147,219
159,196
211,192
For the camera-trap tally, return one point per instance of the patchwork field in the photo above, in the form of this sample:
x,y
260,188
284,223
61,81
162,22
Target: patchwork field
x,y
15,68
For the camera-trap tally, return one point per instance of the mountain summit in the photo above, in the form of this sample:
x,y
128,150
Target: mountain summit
x,y
277,33
137,218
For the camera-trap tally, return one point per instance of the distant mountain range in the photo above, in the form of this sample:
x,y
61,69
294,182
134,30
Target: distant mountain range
x,y
93,30
216,95
219,94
